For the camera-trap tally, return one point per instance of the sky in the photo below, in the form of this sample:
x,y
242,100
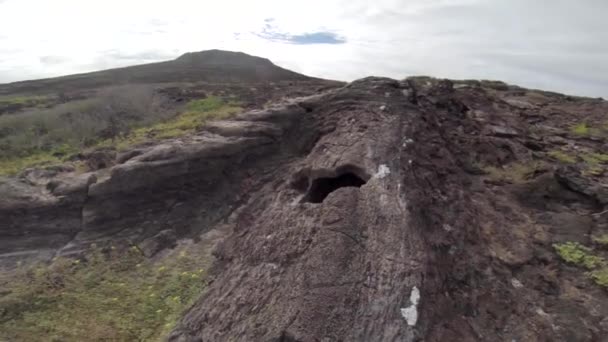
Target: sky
x,y
558,45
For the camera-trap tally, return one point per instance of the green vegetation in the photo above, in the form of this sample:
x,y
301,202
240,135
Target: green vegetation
x,y
23,100
14,165
119,117
582,256
583,129
600,277
580,129
112,296
562,157
515,173
595,158
577,254
601,240
196,114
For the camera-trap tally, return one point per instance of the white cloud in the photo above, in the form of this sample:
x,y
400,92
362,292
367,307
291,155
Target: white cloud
x,y
551,44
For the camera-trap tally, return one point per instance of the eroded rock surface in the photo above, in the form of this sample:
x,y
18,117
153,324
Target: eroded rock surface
x,y
386,210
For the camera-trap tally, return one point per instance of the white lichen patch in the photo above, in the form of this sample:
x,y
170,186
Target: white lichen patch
x,y
516,283
411,312
383,171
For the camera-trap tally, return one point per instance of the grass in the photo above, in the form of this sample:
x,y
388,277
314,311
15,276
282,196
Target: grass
x,y
584,130
46,138
196,114
583,257
111,296
601,240
579,255
23,100
562,157
600,277
514,173
595,158
580,129
11,166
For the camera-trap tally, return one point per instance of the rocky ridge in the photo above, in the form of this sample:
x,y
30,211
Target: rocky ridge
x,y
385,210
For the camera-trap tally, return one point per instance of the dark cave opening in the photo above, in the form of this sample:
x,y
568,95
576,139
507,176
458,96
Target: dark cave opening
x,y
322,187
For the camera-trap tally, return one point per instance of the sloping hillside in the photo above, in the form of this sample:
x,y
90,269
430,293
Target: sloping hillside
x,y
215,66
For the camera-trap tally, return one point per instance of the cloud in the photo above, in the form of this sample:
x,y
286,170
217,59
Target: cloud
x,y
547,44
272,32
143,56
53,60
317,38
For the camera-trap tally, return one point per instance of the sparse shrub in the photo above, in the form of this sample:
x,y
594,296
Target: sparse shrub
x,y
515,173
582,256
562,157
119,117
196,114
580,129
24,100
39,137
601,240
595,158
110,296
577,254
583,129
600,277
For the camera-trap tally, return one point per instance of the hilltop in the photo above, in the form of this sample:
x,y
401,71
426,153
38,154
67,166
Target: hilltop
x,y
215,66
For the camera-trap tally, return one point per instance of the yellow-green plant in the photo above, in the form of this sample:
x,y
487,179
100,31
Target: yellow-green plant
x,y
595,158
600,277
583,129
580,129
53,141
562,157
578,255
195,115
601,240
24,100
515,172
110,296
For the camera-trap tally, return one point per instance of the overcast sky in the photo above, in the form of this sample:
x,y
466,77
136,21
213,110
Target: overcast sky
x,y
559,45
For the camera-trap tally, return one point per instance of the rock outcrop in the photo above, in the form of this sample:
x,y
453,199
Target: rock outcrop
x,y
385,210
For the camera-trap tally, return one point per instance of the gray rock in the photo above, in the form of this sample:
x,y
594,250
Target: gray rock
x,y
164,239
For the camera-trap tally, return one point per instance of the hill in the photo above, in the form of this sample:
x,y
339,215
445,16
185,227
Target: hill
x,y
215,66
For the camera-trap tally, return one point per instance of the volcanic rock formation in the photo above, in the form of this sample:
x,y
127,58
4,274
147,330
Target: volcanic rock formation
x,y
384,210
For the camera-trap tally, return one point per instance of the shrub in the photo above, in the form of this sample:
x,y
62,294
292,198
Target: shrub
x,y
578,254
580,129
595,158
24,100
562,157
119,117
601,240
42,136
516,172
583,129
600,277
197,113
581,256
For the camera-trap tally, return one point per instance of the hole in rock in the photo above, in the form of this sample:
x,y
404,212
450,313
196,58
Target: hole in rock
x,y
322,187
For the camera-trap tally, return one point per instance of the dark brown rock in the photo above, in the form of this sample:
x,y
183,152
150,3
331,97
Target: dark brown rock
x,y
358,214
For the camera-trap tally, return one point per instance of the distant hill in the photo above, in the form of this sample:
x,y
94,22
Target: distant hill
x,y
214,66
